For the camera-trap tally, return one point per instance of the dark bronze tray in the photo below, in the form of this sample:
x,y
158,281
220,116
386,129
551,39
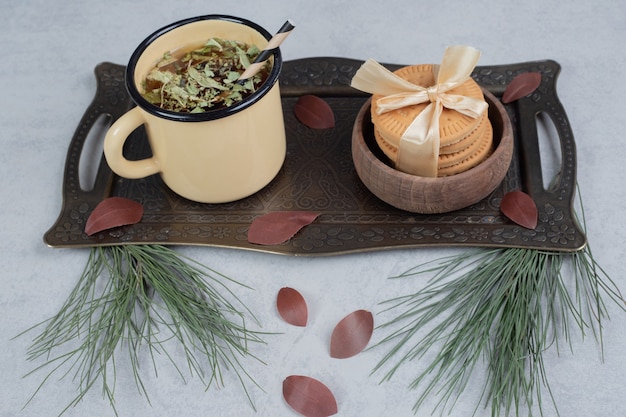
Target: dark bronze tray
x,y
319,175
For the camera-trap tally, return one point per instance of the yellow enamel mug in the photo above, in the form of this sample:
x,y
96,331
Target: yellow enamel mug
x,y
217,156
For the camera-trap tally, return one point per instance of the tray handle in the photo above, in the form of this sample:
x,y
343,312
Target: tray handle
x,y
545,102
557,197
111,100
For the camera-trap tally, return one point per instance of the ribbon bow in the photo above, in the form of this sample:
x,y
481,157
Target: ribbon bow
x,y
418,152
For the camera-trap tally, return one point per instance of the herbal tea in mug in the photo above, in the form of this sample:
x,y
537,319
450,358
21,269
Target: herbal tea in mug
x,y
204,78
213,139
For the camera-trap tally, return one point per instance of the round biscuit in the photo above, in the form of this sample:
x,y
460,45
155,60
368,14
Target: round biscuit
x,y
467,140
450,159
453,126
387,148
474,159
452,163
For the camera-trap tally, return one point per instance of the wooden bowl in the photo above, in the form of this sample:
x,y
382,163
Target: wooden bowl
x,y
431,195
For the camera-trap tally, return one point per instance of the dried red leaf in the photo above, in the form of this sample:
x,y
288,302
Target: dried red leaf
x,y
352,334
278,227
520,208
521,86
292,307
113,212
309,396
314,112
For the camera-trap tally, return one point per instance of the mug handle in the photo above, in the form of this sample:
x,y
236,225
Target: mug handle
x,y
114,145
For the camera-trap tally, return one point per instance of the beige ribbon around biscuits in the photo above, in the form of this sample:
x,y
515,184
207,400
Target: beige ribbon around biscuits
x,y
418,153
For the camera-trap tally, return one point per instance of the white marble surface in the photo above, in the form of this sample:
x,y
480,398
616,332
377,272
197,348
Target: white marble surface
x,y
49,50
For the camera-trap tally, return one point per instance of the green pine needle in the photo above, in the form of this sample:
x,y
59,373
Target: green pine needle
x,y
142,297
503,307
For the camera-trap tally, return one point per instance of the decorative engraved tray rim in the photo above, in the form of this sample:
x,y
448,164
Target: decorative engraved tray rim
x,y
373,225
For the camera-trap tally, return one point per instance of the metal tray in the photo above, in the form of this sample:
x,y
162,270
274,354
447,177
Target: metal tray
x,y
319,175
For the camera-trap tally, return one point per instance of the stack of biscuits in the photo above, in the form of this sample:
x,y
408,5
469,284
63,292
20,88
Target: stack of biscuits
x,y
464,141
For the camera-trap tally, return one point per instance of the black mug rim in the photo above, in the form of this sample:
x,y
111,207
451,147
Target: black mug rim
x,y
212,114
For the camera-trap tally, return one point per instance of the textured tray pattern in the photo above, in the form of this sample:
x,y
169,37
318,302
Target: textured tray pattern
x,y
319,175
